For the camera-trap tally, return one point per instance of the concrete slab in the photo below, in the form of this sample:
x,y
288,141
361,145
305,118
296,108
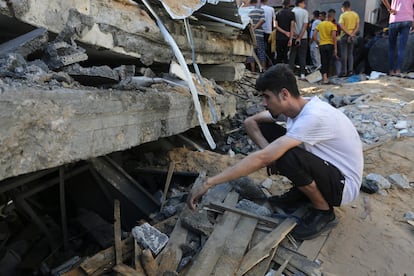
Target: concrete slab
x,y
42,128
126,29
92,76
26,44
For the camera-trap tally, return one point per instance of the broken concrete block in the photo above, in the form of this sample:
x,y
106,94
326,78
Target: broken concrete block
x,y
253,207
150,237
379,180
314,77
401,125
60,54
96,75
12,65
26,44
223,72
125,71
248,189
399,180
197,222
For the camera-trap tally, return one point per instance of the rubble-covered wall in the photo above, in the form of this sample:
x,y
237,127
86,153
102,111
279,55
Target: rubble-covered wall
x,y
40,129
124,28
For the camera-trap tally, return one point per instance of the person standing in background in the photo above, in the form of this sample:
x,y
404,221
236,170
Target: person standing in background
x,y
327,44
300,47
257,17
285,27
270,17
314,48
349,22
401,20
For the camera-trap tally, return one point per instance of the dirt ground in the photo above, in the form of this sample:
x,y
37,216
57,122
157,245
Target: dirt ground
x,y
372,237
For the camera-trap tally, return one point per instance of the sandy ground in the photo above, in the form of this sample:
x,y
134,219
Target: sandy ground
x,y
372,237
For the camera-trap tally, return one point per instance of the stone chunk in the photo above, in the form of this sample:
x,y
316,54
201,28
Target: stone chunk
x,y
26,44
95,75
12,65
253,207
248,189
399,180
150,237
60,54
378,179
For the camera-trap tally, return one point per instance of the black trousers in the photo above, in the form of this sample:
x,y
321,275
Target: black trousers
x,y
302,167
327,52
282,50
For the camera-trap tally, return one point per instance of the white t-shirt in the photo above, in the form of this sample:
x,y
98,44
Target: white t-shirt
x,y
314,24
329,134
269,17
301,17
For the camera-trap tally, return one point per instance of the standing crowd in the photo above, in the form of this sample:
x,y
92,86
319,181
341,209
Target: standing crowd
x,y
288,35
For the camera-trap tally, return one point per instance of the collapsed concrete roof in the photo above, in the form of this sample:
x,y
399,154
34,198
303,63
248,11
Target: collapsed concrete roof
x,y
125,27
72,126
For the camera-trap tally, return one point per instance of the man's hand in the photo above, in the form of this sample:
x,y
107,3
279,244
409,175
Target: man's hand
x,y
195,194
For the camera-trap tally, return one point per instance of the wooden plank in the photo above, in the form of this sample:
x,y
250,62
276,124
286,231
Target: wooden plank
x,y
77,271
298,261
167,182
125,270
311,248
223,207
235,247
148,262
263,267
208,256
263,249
170,257
117,232
137,258
282,267
106,258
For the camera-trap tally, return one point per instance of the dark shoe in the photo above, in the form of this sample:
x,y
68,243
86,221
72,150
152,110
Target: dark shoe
x,y
313,223
289,201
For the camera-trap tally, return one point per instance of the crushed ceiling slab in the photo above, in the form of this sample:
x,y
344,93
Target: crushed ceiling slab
x,y
128,29
40,128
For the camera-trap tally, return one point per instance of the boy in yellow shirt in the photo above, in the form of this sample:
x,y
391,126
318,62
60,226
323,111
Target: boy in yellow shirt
x,y
349,22
327,44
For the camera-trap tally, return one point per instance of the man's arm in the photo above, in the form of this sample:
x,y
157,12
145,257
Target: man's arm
x,y
315,36
259,24
292,32
252,127
281,30
388,6
246,166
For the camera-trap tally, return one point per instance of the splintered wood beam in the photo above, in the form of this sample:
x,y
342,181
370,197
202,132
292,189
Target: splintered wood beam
x,y
125,270
235,247
209,255
170,257
264,248
117,232
105,259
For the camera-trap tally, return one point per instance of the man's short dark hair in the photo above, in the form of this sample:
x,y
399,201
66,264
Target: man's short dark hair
x,y
286,3
323,13
346,4
298,2
316,13
332,11
276,78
